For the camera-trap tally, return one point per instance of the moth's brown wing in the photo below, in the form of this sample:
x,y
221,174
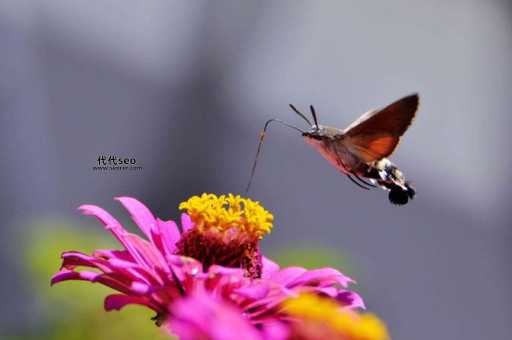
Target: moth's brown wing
x,y
373,148
376,134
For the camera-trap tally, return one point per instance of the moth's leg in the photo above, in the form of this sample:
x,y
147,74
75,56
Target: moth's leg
x,y
365,182
356,183
349,171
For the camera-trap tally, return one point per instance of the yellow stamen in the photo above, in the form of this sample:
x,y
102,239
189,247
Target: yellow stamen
x,y
348,324
228,211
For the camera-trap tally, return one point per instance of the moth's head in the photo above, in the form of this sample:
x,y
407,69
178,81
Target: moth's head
x,y
316,132
317,135
322,132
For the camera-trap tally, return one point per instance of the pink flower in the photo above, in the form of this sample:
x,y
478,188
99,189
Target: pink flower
x,y
158,271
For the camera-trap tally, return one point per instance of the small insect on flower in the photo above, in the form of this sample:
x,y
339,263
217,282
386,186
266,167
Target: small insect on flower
x,y
360,151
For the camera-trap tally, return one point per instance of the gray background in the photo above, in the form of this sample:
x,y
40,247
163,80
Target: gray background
x,y
184,87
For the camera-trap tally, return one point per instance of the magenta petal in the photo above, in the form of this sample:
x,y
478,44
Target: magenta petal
x,y
329,291
106,279
269,267
216,269
111,224
276,330
254,291
186,222
118,301
287,275
63,275
146,253
102,215
66,275
321,277
76,258
139,288
109,280
122,264
202,316
114,254
186,265
350,299
140,214
169,233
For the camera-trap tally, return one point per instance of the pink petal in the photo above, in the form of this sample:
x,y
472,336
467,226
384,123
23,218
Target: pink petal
x,y
72,259
116,282
131,271
122,264
170,235
269,267
186,265
186,222
113,225
109,280
202,316
272,299
118,301
265,306
287,275
254,292
329,291
147,254
139,288
351,299
140,214
66,275
114,254
100,214
221,270
275,330
320,277
125,271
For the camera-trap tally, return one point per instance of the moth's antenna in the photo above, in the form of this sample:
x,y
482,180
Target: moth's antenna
x,y
260,145
300,114
313,113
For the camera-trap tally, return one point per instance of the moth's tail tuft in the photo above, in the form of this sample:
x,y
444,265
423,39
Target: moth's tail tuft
x,y
400,196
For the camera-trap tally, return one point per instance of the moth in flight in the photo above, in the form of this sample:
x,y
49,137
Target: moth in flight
x,y
360,151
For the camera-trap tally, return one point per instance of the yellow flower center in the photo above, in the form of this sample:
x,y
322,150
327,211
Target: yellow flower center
x,y
348,324
228,211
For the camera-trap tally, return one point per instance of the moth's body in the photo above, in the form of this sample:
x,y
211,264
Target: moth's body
x,y
361,149
334,146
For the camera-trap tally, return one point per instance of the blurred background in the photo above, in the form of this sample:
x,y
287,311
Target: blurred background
x,y
185,87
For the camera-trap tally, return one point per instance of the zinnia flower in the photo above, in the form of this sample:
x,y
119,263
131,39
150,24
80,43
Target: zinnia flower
x,y
217,253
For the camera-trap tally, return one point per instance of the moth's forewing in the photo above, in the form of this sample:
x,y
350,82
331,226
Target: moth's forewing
x,y
376,134
372,149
